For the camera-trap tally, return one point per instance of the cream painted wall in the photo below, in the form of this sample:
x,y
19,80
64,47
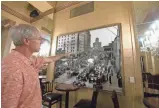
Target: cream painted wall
x,y
9,16
155,62
44,22
106,13
18,21
5,41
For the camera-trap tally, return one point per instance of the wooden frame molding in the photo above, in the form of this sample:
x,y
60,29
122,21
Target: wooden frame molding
x,y
13,12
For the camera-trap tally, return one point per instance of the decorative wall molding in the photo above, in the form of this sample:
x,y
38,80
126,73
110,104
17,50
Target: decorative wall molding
x,y
46,30
15,13
7,23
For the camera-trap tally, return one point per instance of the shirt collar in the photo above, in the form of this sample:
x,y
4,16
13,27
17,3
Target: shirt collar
x,y
21,56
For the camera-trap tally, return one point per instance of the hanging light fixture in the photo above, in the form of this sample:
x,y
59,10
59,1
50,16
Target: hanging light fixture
x,y
150,40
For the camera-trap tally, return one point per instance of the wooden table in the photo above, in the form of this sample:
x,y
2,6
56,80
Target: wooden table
x,y
66,88
153,102
42,76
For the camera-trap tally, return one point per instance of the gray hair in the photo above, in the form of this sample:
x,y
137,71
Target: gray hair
x,y
22,31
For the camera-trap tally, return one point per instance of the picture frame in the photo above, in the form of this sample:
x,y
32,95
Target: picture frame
x,y
82,70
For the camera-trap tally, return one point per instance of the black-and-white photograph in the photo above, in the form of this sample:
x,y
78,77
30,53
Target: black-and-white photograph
x,y
95,58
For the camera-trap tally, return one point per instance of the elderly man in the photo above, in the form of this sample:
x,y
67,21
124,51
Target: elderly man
x,y
20,83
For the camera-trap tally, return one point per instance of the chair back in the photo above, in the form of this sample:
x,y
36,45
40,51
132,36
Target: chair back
x,y
94,99
146,104
115,99
46,87
154,82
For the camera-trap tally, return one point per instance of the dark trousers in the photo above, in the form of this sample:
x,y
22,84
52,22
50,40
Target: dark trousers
x,y
110,80
120,82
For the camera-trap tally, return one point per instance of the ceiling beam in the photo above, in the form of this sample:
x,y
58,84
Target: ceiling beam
x,y
43,14
54,10
15,13
52,3
48,12
42,6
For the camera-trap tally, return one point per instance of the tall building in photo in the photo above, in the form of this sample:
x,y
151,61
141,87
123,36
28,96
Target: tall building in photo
x,y
68,43
116,52
109,49
81,42
87,41
97,44
84,41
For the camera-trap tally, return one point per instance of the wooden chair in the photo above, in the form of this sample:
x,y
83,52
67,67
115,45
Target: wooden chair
x,y
86,103
146,94
150,90
146,103
48,97
115,99
153,83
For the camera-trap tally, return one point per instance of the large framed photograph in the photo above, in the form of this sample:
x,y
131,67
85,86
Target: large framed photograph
x,y
95,59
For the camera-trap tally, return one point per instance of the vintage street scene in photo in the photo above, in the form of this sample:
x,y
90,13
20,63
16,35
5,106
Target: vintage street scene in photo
x,y
95,58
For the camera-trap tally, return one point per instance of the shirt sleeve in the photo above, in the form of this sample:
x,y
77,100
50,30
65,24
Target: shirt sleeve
x,y
12,84
37,63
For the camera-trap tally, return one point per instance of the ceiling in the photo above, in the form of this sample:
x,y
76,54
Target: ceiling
x,y
145,11
22,9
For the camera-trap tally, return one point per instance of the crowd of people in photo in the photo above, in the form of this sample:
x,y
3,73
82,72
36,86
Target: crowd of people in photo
x,y
94,66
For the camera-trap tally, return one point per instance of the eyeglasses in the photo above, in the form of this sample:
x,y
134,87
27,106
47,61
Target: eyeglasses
x,y
38,38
